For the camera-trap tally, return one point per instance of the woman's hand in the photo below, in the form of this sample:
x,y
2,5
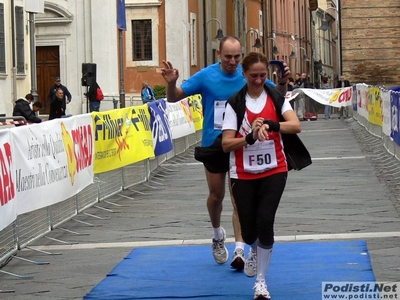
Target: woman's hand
x,y
255,127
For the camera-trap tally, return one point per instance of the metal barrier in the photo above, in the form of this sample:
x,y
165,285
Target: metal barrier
x,y
36,224
12,121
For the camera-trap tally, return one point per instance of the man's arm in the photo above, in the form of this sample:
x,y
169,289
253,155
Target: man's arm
x,y
67,94
51,95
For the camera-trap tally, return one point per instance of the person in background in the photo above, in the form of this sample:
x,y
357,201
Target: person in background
x,y
91,95
344,110
147,93
216,83
56,106
22,108
326,85
67,97
257,186
299,101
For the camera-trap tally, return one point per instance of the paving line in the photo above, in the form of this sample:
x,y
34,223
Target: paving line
x,y
313,158
288,238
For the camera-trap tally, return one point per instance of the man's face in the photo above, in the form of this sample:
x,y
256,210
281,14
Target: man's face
x,y
296,76
58,82
230,56
303,76
35,108
59,94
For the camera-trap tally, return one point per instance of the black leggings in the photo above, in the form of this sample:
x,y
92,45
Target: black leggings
x,y
257,201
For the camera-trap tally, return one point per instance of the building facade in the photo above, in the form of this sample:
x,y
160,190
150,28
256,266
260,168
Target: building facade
x,y
71,33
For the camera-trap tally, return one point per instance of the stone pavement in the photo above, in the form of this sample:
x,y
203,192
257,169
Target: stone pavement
x,y
347,193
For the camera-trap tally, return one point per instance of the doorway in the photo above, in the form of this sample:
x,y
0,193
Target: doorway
x,y
47,69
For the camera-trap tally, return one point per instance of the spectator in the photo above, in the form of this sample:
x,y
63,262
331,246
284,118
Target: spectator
x,y
94,104
147,93
299,101
22,109
326,85
343,111
67,98
56,106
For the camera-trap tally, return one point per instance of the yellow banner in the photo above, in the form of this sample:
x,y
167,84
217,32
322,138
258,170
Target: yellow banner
x,y
196,108
375,106
121,137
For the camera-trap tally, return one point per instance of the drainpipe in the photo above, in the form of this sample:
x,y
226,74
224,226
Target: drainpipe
x,y
205,33
14,56
33,55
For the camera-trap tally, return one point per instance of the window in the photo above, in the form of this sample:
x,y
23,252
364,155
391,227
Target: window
x,y
2,41
19,28
142,40
193,39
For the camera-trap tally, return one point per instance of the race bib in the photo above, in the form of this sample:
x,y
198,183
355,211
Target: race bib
x,y
219,110
259,157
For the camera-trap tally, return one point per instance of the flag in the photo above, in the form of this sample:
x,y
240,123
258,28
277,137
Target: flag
x,y
121,17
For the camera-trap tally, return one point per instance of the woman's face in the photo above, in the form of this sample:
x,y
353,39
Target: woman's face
x,y
256,76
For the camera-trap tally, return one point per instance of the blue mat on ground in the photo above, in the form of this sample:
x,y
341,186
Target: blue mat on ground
x,y
297,271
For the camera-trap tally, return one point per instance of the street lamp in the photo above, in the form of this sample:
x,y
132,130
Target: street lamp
x,y
293,53
305,56
275,50
257,43
325,26
220,34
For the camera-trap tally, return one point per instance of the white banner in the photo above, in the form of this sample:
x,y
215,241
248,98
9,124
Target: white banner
x,y
8,211
53,161
362,99
333,97
180,119
386,115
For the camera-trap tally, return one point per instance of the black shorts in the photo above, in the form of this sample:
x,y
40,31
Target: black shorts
x,y
213,157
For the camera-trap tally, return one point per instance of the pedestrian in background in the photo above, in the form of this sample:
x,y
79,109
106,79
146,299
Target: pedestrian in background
x,y
67,98
216,83
147,93
326,85
22,108
91,95
254,119
56,105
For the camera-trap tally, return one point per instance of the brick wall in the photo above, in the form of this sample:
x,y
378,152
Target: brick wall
x,y
370,41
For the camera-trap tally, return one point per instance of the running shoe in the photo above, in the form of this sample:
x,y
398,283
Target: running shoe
x,y
260,290
219,250
238,260
250,266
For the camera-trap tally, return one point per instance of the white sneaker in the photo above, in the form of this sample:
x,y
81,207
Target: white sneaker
x,y
260,290
219,250
250,266
238,260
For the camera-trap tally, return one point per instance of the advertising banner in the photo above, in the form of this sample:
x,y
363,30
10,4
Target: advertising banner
x,y
180,119
334,97
362,100
394,116
121,137
386,121
53,161
8,210
162,135
196,109
375,106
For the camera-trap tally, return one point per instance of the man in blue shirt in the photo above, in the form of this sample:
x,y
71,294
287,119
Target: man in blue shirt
x,y
216,83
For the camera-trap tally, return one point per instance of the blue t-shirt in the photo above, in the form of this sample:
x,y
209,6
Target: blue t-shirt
x,y
215,87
